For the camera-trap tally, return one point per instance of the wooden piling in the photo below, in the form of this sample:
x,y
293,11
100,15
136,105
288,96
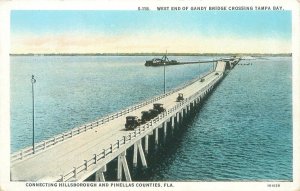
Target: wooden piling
x,y
156,136
141,152
135,153
146,143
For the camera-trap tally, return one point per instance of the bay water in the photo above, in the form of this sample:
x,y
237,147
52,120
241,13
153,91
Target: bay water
x,y
242,132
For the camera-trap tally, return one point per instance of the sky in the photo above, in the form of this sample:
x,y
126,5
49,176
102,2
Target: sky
x,y
73,31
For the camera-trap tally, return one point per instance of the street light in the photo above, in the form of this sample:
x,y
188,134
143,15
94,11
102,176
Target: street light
x,y
199,70
164,77
214,65
32,88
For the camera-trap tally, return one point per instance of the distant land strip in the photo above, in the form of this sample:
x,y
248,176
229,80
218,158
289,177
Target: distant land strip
x,y
153,54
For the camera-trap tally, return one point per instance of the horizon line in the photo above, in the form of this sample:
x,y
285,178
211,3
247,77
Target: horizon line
x,y
148,53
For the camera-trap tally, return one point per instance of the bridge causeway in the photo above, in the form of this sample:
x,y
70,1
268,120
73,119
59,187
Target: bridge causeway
x,y
86,150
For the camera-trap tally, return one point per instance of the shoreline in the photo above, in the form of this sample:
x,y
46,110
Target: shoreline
x,y
156,54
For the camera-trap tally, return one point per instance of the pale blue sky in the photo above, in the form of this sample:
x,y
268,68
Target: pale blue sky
x,y
113,29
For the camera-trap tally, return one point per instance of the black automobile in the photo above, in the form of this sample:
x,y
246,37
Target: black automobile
x,y
153,113
146,116
159,107
180,97
132,122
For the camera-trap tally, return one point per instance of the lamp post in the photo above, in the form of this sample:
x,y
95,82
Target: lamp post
x,y
164,77
32,89
214,65
199,70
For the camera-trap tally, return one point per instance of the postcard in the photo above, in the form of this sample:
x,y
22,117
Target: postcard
x,y
149,95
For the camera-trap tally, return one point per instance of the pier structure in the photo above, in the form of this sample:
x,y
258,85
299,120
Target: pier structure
x,y
164,61
85,151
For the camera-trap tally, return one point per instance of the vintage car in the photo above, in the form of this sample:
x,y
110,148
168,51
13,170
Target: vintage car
x,y
159,107
146,116
132,122
180,97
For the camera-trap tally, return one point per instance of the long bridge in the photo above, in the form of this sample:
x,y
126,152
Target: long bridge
x,y
207,61
84,151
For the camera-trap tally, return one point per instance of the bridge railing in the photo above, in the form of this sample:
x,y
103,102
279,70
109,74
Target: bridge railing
x,y
134,135
23,153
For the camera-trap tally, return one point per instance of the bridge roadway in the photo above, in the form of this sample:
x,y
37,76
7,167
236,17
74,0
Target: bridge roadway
x,y
59,159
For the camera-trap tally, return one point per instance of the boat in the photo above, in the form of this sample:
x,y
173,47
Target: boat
x,y
160,61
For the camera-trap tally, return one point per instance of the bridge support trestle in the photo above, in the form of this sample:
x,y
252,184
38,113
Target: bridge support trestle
x,y
99,176
122,165
165,128
135,153
156,136
146,143
138,149
172,122
142,155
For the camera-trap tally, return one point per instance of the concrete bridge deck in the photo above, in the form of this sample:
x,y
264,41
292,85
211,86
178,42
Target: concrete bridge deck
x,y
78,157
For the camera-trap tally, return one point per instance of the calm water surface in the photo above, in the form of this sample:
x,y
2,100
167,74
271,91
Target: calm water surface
x,y
243,131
